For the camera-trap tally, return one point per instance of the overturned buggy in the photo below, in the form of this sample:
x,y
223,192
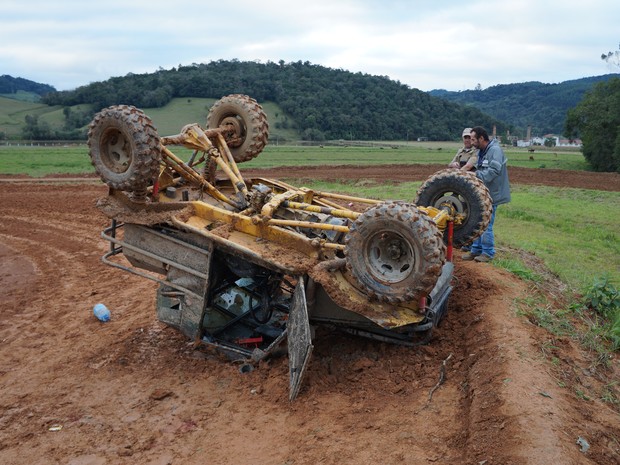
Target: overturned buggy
x,y
243,264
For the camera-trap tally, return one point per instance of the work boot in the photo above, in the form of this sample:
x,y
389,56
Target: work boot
x,y
483,258
469,256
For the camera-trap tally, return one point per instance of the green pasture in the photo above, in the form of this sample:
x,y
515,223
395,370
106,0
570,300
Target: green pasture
x,y
574,231
181,111
13,113
38,159
168,119
405,153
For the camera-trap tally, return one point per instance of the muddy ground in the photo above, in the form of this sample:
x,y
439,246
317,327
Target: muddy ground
x,y
133,391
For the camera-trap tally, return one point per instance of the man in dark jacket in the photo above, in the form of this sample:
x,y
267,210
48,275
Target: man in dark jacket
x,y
492,170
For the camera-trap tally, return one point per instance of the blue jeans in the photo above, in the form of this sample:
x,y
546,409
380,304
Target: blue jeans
x,y
485,244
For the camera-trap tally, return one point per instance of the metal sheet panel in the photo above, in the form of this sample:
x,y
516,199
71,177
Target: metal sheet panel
x,y
299,339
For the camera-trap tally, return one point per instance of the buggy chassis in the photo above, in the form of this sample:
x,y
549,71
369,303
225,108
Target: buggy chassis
x,y
243,264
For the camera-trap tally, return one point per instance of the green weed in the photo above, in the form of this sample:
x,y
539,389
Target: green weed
x,y
582,395
603,297
609,393
518,268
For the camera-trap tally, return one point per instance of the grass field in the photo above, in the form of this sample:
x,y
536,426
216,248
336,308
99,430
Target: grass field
x,y
38,160
13,113
405,153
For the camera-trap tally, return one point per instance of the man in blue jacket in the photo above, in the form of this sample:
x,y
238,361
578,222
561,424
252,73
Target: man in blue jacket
x,y
492,170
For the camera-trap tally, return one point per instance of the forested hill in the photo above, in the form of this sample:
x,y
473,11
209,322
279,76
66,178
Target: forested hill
x,y
10,86
543,106
324,103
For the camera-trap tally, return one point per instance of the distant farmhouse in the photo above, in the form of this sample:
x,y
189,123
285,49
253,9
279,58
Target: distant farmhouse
x,y
559,142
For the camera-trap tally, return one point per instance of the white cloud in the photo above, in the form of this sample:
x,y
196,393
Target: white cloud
x,y
449,44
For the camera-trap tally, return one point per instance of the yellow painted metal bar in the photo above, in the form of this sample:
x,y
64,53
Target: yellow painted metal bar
x,y
331,195
441,217
191,136
331,245
319,209
223,147
247,246
324,201
255,228
190,174
276,200
309,196
237,184
309,224
180,166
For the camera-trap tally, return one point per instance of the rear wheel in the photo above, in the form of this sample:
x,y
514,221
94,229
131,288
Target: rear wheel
x,y
462,193
395,252
124,148
245,123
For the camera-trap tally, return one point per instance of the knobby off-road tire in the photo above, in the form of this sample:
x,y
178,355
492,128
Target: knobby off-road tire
x,y
124,148
246,122
395,252
463,192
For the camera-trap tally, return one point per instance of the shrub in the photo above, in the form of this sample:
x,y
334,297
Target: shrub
x,y
603,298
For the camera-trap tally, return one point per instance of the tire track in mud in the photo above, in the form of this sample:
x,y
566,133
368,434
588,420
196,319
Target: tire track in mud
x,y
379,395
58,252
47,321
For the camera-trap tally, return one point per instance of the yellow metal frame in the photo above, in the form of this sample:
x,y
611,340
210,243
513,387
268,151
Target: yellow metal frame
x,y
261,223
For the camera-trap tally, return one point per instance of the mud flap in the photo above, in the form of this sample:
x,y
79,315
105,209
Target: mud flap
x,y
299,339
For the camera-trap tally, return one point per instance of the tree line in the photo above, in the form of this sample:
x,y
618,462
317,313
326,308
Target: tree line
x,y
323,103
541,106
11,85
596,119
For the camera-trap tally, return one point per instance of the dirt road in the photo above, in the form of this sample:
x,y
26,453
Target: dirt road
x,y
132,391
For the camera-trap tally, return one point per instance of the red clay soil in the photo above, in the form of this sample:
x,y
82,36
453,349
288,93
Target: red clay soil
x,y
403,173
490,388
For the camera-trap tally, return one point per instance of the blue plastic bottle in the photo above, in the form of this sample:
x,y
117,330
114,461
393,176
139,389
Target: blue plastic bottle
x,y
101,312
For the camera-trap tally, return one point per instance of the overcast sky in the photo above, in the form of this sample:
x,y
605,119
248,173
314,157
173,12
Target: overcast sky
x,y
440,44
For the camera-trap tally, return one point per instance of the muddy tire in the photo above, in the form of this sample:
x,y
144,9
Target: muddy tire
x,y
246,122
124,148
464,193
395,252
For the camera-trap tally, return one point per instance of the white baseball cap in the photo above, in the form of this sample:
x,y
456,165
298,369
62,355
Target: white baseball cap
x,y
466,132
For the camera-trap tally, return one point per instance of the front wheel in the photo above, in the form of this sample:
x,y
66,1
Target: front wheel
x,y
395,252
244,123
124,148
462,193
